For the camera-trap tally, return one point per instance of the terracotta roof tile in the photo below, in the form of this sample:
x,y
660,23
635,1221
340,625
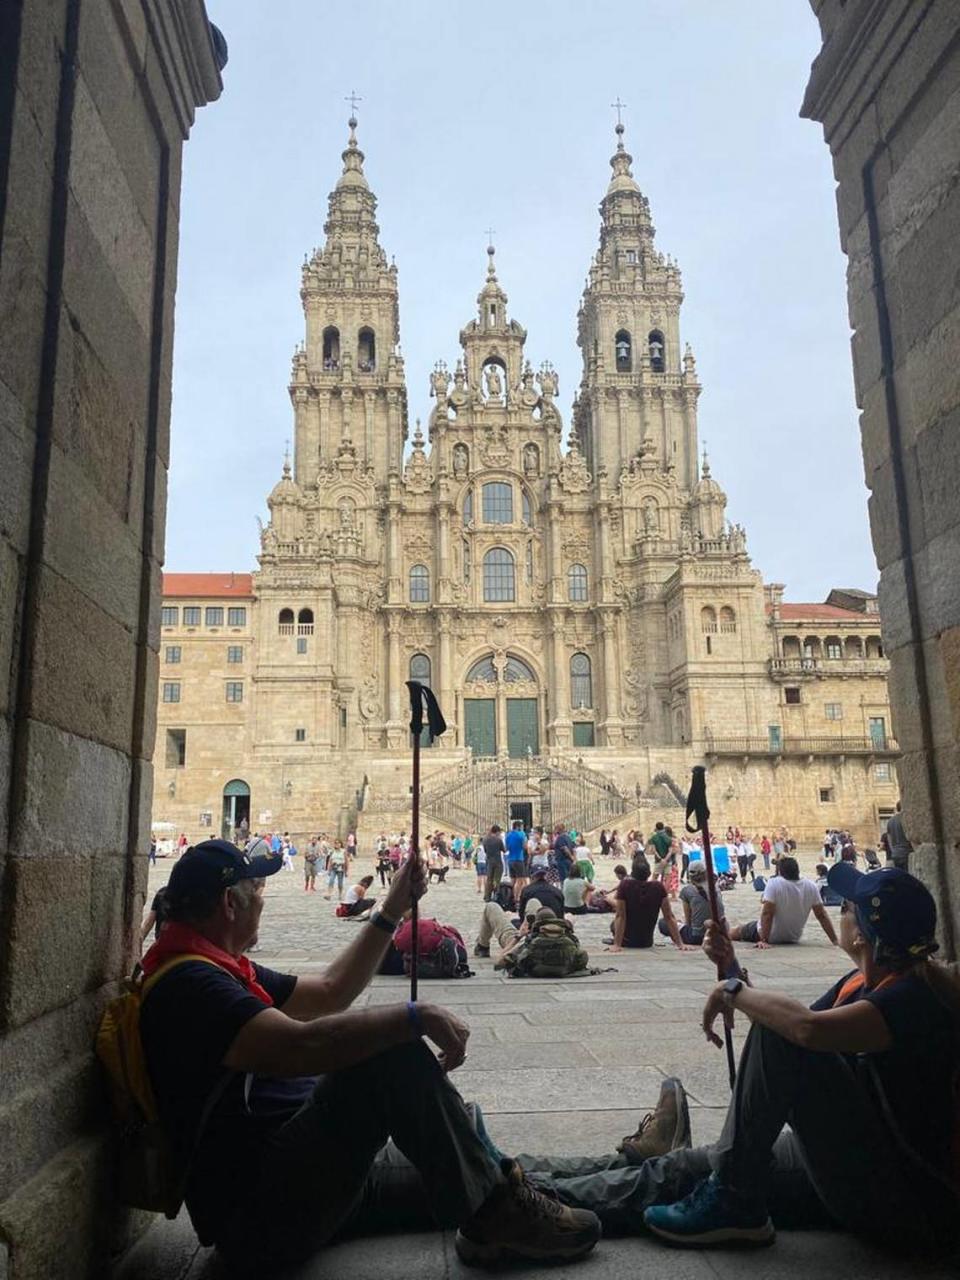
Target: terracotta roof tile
x,y
822,612
228,585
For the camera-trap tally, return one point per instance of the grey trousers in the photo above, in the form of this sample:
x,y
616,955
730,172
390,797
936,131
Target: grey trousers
x,y
496,924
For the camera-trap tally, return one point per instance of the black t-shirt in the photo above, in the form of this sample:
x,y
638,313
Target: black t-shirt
x,y
641,901
548,895
494,848
188,1022
917,1071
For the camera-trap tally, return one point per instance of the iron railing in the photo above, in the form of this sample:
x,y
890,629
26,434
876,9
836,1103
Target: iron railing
x,y
827,745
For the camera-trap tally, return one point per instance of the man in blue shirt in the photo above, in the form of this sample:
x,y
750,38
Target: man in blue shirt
x,y
516,842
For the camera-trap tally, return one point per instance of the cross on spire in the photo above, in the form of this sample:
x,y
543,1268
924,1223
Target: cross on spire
x,y
618,106
490,234
353,100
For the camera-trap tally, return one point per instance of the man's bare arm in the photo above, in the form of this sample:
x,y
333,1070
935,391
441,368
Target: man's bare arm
x,y
826,924
767,912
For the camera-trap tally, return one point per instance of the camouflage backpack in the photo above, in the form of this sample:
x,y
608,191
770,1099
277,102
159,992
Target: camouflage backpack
x,y
552,951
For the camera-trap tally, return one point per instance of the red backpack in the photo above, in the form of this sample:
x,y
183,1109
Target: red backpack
x,y
443,953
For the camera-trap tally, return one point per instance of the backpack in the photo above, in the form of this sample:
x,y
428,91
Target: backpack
x,y
149,1175
443,953
553,951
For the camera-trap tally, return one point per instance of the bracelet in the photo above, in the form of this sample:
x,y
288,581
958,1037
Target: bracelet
x,y
380,921
413,1013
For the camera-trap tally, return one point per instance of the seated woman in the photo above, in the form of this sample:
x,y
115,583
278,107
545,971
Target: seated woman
x,y
696,907
575,891
356,901
605,899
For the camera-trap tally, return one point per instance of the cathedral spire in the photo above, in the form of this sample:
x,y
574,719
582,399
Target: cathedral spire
x,y
353,157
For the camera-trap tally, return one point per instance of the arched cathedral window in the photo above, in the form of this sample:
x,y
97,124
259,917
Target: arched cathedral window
x,y
419,584
623,350
331,348
499,576
577,583
366,351
497,503
484,670
285,622
581,681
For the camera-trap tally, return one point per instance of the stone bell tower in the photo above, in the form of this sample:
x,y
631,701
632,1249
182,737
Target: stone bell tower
x,y
637,385
347,384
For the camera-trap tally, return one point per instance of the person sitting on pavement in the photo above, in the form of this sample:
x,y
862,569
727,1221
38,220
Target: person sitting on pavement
x,y
855,1092
639,902
606,899
575,891
829,897
696,907
548,895
498,926
274,1091
787,901
356,901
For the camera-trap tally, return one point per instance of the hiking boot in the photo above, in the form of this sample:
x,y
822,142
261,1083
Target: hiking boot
x,y
712,1214
663,1130
480,950
518,1222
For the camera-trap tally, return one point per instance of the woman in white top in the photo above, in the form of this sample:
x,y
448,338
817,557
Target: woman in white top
x,y
575,890
356,900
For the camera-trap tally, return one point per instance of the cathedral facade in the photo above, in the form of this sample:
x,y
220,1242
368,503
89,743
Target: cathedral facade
x,y
573,596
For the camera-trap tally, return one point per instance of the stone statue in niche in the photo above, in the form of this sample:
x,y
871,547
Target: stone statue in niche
x,y
461,460
531,460
651,518
494,382
346,515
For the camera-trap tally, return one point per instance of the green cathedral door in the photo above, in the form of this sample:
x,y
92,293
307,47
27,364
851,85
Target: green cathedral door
x,y
522,732
480,725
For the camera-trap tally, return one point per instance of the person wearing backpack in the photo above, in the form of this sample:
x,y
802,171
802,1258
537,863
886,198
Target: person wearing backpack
x,y
263,1080
548,949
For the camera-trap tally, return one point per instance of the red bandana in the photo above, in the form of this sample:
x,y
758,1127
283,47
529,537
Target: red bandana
x,y
179,939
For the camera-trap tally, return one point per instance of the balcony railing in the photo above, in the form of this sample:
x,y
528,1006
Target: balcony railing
x,y
819,746
286,628
788,668
304,628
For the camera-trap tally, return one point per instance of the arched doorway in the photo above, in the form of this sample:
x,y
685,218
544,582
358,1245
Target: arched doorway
x,y
236,809
501,707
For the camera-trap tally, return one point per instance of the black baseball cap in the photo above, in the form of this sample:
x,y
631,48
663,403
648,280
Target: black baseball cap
x,y
892,906
213,865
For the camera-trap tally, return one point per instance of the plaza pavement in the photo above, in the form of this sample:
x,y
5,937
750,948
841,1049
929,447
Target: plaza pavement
x,y
558,1067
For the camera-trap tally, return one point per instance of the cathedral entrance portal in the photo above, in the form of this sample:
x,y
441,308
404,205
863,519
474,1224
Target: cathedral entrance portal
x,y
501,707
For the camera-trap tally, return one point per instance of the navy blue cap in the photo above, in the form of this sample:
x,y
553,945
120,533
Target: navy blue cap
x,y
213,865
892,906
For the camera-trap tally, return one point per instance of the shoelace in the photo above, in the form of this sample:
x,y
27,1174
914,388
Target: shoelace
x,y
540,1200
645,1124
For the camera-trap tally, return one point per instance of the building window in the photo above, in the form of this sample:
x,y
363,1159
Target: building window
x,y
709,640
301,644
631,256
833,710
300,735
515,669
826,795
191,615
882,773
581,682
331,348
728,621
658,351
169,615
366,351
419,584
583,733
708,620
171,691
235,653
497,503
172,653
623,352
484,670
285,623
305,622
214,616
499,576
176,748
878,732
420,669
791,697
833,648
234,690
577,583
237,616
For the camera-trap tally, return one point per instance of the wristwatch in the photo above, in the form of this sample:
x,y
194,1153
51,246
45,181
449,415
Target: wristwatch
x,y
380,921
731,989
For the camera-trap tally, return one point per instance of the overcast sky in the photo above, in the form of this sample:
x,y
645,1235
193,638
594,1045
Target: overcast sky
x,y
498,115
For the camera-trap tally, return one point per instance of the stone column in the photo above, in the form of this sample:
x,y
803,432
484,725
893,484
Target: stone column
x,y
395,683
96,102
612,725
559,724
445,679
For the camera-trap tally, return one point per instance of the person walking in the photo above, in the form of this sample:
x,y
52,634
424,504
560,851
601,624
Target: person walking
x,y
311,856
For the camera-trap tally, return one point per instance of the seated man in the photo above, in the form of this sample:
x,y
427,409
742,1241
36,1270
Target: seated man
x,y
273,1091
546,894
864,1079
497,925
787,901
696,907
639,902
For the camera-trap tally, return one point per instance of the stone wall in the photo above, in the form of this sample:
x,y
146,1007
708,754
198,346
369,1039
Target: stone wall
x,y
886,88
97,100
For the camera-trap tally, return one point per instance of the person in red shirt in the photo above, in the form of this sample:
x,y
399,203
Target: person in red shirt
x,y
639,903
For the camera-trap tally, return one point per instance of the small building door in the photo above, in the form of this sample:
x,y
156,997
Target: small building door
x,y
236,808
480,725
523,735
522,811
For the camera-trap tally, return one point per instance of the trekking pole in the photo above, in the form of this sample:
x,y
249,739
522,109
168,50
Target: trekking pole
x,y
437,725
697,805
